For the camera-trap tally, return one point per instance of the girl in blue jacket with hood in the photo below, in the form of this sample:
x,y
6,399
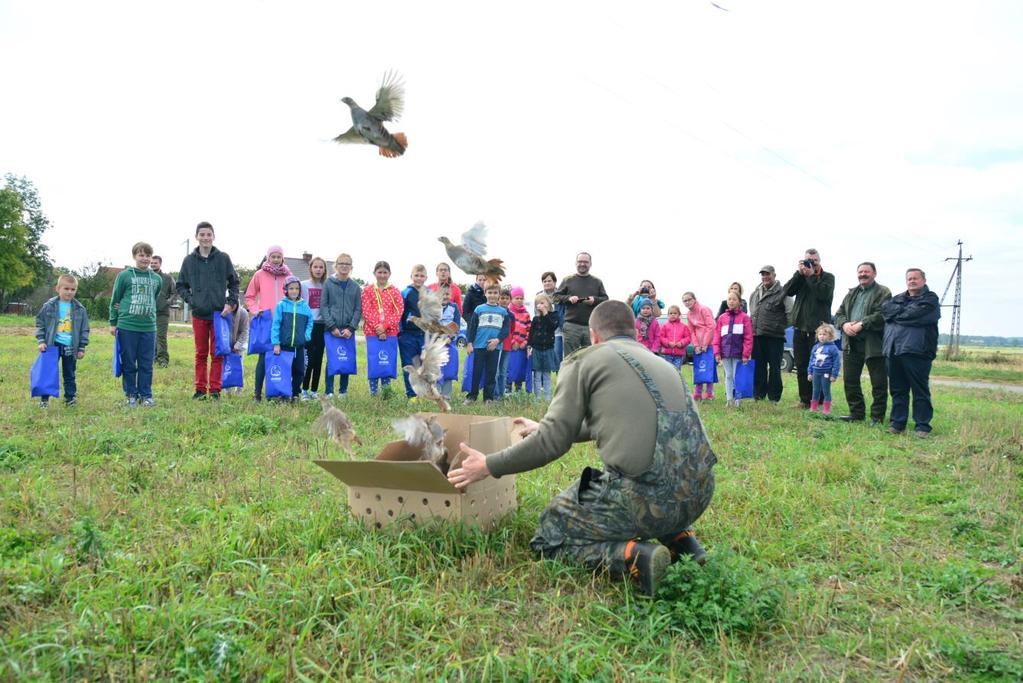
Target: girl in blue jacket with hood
x,y
825,362
292,329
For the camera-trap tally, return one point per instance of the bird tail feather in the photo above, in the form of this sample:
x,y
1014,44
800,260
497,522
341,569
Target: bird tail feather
x,y
400,143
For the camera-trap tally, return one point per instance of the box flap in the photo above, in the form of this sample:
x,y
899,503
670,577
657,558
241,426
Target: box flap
x,y
415,476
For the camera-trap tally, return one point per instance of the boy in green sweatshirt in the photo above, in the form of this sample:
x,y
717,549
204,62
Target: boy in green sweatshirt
x,y
133,323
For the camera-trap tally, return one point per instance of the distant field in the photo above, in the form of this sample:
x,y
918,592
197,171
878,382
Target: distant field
x,y
993,364
198,541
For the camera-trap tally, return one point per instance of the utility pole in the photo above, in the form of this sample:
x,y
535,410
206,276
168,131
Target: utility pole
x,y
952,350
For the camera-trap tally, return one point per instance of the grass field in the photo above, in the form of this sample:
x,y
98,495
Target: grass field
x,y
983,364
198,541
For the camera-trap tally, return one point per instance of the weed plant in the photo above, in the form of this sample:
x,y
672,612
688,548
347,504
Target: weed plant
x,y
197,541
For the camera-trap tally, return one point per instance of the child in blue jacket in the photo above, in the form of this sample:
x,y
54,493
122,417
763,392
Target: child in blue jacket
x,y
825,362
292,329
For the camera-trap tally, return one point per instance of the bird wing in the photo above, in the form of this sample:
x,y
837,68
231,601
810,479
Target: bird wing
x,y
432,357
351,136
390,98
475,239
414,430
429,305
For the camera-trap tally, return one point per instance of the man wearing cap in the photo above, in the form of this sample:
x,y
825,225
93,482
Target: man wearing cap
x,y
769,310
658,476
814,290
862,324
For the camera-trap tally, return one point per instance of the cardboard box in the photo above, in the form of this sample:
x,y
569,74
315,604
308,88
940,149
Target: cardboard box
x,y
396,485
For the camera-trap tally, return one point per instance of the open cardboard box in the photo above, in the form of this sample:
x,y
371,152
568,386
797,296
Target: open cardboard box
x,y
398,485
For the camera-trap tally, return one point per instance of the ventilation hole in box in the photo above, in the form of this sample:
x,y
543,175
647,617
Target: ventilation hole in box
x,y
426,501
413,515
369,511
447,503
358,496
401,500
378,525
390,513
378,496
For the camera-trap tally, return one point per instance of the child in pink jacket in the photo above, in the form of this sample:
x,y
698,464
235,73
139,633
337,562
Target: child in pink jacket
x,y
733,342
701,325
265,289
675,337
648,330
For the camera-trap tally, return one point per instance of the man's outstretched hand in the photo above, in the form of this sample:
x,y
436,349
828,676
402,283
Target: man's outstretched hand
x,y
474,468
527,426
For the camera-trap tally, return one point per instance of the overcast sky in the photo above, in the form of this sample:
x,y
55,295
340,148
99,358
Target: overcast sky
x,y
673,140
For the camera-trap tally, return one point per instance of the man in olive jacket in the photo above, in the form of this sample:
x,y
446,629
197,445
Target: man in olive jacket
x,y
769,309
814,291
164,299
859,317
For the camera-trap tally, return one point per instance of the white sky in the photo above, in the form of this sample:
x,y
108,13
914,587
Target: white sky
x,y
673,140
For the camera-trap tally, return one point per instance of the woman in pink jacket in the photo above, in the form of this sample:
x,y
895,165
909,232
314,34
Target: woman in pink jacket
x,y
265,289
733,342
701,323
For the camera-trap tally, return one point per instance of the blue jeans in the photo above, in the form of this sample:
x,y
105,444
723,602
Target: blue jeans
x,y
328,384
821,387
674,360
138,350
502,372
410,345
542,383
485,366
68,363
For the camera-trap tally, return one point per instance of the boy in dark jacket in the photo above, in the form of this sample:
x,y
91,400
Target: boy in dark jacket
x,y
64,321
205,275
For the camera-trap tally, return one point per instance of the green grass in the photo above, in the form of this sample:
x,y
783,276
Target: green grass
x,y
198,541
982,364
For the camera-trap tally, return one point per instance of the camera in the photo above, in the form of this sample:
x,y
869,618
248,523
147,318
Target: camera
x,y
808,264
645,290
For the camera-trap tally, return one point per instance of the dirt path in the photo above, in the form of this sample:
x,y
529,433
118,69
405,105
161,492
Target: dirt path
x,y
966,384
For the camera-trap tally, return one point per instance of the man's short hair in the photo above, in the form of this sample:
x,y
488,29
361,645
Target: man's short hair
x,y
613,318
586,254
868,263
916,270
157,256
68,278
812,252
202,225
141,248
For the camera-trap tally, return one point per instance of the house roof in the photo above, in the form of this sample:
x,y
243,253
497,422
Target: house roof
x,y
300,268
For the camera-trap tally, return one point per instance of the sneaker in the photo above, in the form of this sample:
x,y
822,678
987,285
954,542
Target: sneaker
x,y
736,403
921,434
147,403
875,422
131,401
214,395
646,564
305,395
43,403
687,544
895,430
697,397
852,418
199,396
70,402
313,396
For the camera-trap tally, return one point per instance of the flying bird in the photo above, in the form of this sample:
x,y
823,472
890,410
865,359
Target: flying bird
x,y
430,310
424,373
368,127
425,434
469,255
336,425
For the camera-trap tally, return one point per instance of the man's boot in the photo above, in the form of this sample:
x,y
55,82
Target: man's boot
x,y
685,543
644,563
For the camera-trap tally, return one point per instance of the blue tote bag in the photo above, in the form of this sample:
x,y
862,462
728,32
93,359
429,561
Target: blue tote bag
x,y
259,333
744,379
221,334
382,357
234,372
278,373
449,371
705,368
467,374
517,366
44,376
117,355
340,355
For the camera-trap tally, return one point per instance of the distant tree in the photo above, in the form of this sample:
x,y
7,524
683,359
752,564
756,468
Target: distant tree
x,y
93,280
36,223
15,272
244,275
360,281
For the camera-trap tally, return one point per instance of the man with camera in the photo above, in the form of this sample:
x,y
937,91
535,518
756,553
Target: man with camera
x,y
814,291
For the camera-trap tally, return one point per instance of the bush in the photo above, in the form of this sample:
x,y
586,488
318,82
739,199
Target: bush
x,y
727,594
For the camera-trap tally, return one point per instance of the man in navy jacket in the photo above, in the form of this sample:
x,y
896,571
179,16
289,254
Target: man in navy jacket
x,y
910,345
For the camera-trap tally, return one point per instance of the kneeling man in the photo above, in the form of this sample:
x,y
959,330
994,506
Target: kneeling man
x,y
659,475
